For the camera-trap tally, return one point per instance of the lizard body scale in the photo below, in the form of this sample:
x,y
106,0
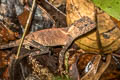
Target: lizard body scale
x,y
56,36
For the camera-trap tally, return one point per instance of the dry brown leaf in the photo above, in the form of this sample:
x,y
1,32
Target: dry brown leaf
x,y
3,65
23,17
56,14
116,21
6,34
93,70
75,9
109,33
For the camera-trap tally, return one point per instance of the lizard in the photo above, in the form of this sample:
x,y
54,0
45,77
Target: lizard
x,y
57,36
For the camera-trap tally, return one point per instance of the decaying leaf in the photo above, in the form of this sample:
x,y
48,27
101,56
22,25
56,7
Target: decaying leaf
x,y
75,9
6,34
93,69
41,19
116,21
108,30
3,65
56,14
24,16
97,69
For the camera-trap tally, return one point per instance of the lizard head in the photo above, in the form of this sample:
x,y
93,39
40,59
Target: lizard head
x,y
81,26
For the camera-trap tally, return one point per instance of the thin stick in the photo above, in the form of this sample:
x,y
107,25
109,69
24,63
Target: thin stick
x,y
103,67
98,34
26,27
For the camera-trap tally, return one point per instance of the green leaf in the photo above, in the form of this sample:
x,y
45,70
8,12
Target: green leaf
x,y
112,7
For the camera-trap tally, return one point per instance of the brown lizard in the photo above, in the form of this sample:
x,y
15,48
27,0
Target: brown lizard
x,y
56,37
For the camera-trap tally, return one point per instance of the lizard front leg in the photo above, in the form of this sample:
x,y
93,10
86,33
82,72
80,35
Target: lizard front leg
x,y
42,48
62,54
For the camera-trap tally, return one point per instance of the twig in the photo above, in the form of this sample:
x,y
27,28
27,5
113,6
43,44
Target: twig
x,y
117,55
26,27
100,47
103,67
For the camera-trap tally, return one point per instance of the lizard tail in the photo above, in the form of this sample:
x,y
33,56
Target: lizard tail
x,y
10,45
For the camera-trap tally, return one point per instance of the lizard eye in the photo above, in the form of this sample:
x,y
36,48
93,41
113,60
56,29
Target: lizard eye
x,y
86,25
